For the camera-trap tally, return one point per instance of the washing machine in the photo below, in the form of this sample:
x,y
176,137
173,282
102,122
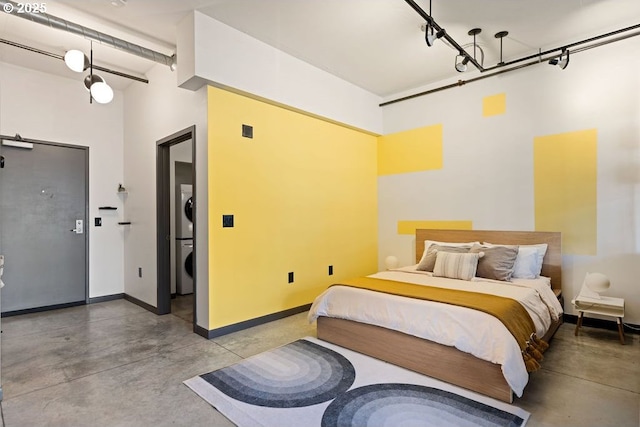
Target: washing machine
x,y
184,240
184,266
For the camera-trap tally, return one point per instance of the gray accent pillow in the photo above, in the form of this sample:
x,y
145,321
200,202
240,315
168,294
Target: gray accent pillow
x,y
497,262
428,262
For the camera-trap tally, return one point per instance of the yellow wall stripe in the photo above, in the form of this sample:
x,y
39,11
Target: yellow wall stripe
x,y
410,151
565,180
409,227
494,105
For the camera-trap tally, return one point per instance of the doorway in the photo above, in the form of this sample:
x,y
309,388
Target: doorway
x,y
166,219
44,197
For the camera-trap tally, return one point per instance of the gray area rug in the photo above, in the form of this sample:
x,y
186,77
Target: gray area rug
x,y
313,383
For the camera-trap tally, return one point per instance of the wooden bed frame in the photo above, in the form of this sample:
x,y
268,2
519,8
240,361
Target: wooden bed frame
x,y
439,361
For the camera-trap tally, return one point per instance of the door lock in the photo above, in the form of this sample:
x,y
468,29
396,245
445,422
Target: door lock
x,y
79,227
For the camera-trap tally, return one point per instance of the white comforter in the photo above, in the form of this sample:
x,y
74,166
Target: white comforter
x,y
468,330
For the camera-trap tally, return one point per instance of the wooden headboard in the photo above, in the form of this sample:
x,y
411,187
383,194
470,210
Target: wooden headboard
x,y
551,264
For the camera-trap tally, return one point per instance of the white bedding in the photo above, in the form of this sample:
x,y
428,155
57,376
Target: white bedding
x,y
468,330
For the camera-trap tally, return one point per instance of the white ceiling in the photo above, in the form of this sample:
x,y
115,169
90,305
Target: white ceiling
x,y
375,44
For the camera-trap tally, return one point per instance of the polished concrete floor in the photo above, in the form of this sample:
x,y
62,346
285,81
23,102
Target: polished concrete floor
x,y
115,364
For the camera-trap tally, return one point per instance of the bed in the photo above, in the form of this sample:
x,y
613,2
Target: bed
x,y
356,328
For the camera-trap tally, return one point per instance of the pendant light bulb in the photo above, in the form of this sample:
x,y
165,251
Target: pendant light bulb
x,y
76,60
101,92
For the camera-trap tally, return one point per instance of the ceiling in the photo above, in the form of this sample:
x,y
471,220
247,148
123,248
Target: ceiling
x,y
375,44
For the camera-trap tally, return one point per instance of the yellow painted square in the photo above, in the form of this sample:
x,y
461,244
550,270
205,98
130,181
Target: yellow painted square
x,y
565,188
410,151
494,105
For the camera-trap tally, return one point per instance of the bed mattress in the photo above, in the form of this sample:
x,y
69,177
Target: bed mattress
x,y
466,329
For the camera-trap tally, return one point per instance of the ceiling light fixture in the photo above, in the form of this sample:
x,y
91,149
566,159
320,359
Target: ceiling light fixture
x,y
101,92
98,88
431,37
561,61
461,63
430,33
463,57
76,60
501,35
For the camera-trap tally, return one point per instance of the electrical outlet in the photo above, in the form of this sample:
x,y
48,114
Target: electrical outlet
x,y
331,270
291,277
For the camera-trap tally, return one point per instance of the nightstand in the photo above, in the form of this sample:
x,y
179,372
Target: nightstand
x,y
604,306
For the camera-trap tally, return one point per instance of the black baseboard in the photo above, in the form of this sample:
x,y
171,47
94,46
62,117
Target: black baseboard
x,y
140,303
40,309
105,298
214,333
601,324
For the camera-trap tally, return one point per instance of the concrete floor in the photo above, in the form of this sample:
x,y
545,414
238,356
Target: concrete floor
x,y
115,364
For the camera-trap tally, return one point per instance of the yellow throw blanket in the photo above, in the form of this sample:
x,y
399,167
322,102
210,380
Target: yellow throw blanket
x,y
509,311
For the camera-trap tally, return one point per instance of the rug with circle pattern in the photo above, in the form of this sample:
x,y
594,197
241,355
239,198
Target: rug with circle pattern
x,y
313,383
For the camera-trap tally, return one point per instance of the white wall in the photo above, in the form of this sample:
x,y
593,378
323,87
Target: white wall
x,y
210,51
487,175
152,112
43,106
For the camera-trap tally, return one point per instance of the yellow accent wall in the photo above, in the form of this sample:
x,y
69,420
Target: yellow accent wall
x,y
494,105
410,151
565,181
410,227
303,192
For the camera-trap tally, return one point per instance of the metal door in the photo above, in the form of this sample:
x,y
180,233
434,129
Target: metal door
x,y
43,210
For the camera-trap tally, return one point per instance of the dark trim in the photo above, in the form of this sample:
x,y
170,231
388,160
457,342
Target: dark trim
x,y
105,298
87,227
140,303
201,331
601,323
39,309
163,217
213,333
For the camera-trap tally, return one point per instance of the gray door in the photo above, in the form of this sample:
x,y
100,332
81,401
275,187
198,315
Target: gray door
x,y
43,205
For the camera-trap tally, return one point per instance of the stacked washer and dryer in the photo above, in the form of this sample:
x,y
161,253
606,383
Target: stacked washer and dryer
x,y
184,240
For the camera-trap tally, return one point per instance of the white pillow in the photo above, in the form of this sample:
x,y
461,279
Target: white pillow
x,y
456,265
428,243
526,264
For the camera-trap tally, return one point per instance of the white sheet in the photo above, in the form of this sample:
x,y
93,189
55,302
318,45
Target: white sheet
x,y
468,330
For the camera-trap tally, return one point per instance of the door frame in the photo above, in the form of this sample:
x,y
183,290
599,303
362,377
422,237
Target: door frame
x,y
85,149
163,218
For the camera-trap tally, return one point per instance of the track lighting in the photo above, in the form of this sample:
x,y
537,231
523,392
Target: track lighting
x,y
561,61
501,35
461,63
463,58
431,37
